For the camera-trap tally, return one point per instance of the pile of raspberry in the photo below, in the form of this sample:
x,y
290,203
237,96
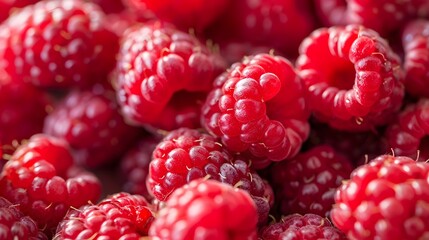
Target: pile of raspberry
x,y
214,120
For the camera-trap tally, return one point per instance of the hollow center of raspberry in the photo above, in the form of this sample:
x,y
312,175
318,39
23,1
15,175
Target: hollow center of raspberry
x,y
341,75
424,148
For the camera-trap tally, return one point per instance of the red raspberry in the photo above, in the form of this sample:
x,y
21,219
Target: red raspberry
x,y
243,108
185,14
383,16
22,111
15,225
135,166
301,227
186,154
8,7
91,123
358,147
307,183
110,6
352,76
157,66
42,180
266,23
120,216
58,44
408,135
415,42
206,209
385,199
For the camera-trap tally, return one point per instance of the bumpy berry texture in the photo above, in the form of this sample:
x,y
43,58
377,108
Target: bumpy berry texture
x,y
135,166
120,216
41,179
259,106
15,225
206,209
383,16
278,24
58,44
408,135
185,14
156,65
385,199
416,64
8,7
358,147
307,183
186,154
91,123
301,227
22,110
353,78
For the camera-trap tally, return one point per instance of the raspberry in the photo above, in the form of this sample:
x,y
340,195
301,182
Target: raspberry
x,y
243,108
302,227
8,7
206,209
157,65
58,44
22,111
185,14
385,199
416,64
186,154
279,24
91,123
358,147
40,177
135,166
120,216
408,135
15,225
383,16
110,6
307,183
352,77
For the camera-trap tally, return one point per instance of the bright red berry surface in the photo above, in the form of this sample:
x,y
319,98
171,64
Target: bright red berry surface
x,y
307,183
353,78
186,154
243,108
206,209
43,181
163,72
57,44
120,216
385,199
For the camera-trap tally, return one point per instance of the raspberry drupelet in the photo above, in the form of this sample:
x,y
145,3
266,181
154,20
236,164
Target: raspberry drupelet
x,y
385,199
301,227
416,64
120,216
187,154
90,121
8,7
307,183
163,75
58,44
206,209
353,78
259,106
42,180
15,225
408,135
